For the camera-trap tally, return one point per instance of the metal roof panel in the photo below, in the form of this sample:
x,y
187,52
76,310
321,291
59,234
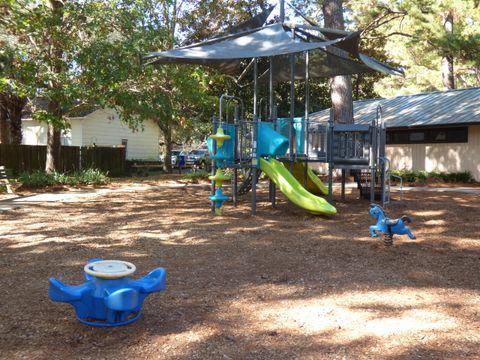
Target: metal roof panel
x,y
460,106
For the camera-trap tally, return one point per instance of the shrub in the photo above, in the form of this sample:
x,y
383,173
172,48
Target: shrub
x,y
38,179
435,175
408,175
91,177
59,178
422,176
463,176
396,172
196,175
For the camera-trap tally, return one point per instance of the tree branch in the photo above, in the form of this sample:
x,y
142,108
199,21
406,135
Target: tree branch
x,y
388,35
376,23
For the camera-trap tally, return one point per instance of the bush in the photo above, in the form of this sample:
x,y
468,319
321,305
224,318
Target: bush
x,y
421,176
407,175
464,176
435,175
38,179
91,177
196,175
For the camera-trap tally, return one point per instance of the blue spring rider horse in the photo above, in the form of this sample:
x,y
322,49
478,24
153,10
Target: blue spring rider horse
x,y
387,226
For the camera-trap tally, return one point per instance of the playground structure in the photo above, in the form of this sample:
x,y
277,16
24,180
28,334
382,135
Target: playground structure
x,y
283,147
219,198
387,226
108,297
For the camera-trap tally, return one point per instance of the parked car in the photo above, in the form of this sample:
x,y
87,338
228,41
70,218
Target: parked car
x,y
199,158
175,155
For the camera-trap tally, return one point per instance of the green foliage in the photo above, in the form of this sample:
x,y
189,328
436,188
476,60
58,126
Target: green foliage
x,y
91,177
411,176
39,179
36,179
411,33
49,118
41,61
196,175
464,176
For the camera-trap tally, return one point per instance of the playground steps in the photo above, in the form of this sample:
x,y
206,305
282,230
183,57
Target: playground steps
x,y
246,185
363,180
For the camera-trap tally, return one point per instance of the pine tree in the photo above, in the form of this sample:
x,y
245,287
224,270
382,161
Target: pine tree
x,y
436,41
340,86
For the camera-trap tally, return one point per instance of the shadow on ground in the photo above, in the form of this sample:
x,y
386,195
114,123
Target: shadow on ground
x,y
283,284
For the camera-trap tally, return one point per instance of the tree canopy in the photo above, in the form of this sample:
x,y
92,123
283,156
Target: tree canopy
x,y
89,52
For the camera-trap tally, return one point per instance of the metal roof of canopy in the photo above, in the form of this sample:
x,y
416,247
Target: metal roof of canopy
x,y
337,56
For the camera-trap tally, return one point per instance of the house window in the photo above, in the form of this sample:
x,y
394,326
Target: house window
x,y
428,136
441,136
416,137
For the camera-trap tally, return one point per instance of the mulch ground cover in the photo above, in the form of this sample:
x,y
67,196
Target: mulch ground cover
x,y
282,285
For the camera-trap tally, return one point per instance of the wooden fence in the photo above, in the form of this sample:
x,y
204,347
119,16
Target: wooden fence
x,y
20,158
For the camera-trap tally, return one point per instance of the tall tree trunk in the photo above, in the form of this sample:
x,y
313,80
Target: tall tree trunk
x,y
4,125
166,130
53,140
52,162
448,75
340,86
11,108
16,105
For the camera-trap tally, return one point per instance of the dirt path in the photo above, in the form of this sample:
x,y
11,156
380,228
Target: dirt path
x,y
282,285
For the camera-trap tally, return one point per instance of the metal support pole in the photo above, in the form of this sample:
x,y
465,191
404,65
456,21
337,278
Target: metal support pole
x,y
292,110
343,184
254,140
282,11
272,188
270,88
372,185
236,118
381,152
214,152
373,161
330,156
307,114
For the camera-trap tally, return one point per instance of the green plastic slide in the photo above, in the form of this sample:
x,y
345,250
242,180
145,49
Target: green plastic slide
x,y
293,190
314,184
318,183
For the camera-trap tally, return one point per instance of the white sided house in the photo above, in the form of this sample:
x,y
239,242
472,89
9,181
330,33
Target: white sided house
x,y
437,131
101,127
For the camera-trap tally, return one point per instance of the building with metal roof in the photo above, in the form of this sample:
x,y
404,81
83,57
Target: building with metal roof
x,y
436,131
439,108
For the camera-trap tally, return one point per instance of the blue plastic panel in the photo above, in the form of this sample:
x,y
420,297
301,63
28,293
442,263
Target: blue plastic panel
x,y
270,142
283,127
226,152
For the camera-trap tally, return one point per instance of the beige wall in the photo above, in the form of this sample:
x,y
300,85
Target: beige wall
x,y
35,133
439,157
103,127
